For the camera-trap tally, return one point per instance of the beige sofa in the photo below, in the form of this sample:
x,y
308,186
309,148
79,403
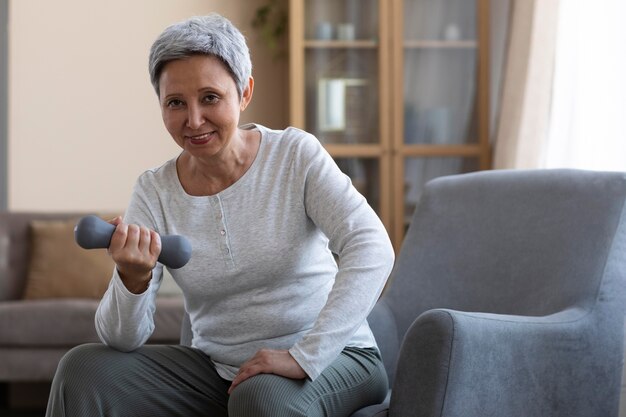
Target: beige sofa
x,y
36,328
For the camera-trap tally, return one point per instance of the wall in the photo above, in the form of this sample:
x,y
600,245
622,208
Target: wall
x,y
84,121
4,45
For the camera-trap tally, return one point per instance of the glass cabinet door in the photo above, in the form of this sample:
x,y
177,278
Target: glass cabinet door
x,y
440,57
365,174
340,88
439,93
395,90
341,70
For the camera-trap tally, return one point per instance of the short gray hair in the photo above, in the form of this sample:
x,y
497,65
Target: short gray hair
x,y
202,35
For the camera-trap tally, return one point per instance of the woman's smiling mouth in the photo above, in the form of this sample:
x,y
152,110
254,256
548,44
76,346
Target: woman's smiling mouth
x,y
199,139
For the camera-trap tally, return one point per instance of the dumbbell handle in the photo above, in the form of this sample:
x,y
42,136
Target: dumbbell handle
x,y
91,232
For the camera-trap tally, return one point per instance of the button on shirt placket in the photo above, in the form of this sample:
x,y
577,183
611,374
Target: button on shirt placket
x,y
224,244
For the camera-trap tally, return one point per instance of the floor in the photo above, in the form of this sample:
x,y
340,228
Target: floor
x,y
15,413
23,399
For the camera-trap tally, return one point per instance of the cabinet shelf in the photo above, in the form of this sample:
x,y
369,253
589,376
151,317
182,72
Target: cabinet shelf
x,y
440,44
441,150
358,151
356,44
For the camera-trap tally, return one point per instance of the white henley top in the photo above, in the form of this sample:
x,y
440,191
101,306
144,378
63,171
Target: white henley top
x,y
262,272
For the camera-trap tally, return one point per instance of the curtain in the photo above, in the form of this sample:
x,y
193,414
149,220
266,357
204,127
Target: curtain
x,y
525,104
564,94
588,112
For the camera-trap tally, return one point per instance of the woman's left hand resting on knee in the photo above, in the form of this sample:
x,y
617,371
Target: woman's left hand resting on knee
x,y
269,361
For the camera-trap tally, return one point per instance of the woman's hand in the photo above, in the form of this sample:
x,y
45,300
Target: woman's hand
x,y
268,361
135,251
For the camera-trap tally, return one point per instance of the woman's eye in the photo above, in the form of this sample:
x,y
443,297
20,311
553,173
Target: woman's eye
x,y
210,98
174,103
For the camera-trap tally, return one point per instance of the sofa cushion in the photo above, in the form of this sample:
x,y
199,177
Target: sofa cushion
x,y
29,364
59,268
47,322
15,249
70,322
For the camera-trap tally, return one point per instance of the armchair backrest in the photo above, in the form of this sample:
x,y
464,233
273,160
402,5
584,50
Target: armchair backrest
x,y
509,242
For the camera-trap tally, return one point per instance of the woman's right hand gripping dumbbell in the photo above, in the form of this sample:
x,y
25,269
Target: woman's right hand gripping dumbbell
x,y
135,250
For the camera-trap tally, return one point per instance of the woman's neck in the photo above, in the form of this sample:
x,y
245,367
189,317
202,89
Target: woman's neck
x,y
209,176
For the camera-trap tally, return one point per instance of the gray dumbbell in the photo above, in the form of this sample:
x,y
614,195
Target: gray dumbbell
x,y
91,232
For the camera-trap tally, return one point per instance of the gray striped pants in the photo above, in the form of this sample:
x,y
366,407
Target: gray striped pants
x,y
155,380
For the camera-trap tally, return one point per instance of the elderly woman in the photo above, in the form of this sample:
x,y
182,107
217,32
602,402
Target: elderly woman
x,y
279,327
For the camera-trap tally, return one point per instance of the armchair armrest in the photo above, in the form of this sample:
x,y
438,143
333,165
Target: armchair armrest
x,y
455,363
383,325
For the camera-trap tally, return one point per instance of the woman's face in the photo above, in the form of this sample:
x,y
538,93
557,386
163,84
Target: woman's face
x,y
200,104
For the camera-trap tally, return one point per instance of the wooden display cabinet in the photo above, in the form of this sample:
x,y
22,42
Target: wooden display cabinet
x,y
397,91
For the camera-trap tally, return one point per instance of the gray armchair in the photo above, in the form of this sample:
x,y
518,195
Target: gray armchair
x,y
507,298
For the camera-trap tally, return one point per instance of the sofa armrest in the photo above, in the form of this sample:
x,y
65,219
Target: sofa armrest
x,y
4,264
455,363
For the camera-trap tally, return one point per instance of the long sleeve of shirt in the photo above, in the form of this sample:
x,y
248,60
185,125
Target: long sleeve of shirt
x,y
124,320
262,272
365,257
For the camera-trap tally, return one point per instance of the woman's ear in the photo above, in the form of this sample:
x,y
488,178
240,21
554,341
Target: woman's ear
x,y
246,96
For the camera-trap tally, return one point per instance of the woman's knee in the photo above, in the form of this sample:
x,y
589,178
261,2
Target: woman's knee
x,y
82,362
76,357
265,395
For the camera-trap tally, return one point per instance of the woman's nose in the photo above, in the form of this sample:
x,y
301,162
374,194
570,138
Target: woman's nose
x,y
195,119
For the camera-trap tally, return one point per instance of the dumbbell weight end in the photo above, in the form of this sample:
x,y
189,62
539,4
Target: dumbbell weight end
x,y
91,232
